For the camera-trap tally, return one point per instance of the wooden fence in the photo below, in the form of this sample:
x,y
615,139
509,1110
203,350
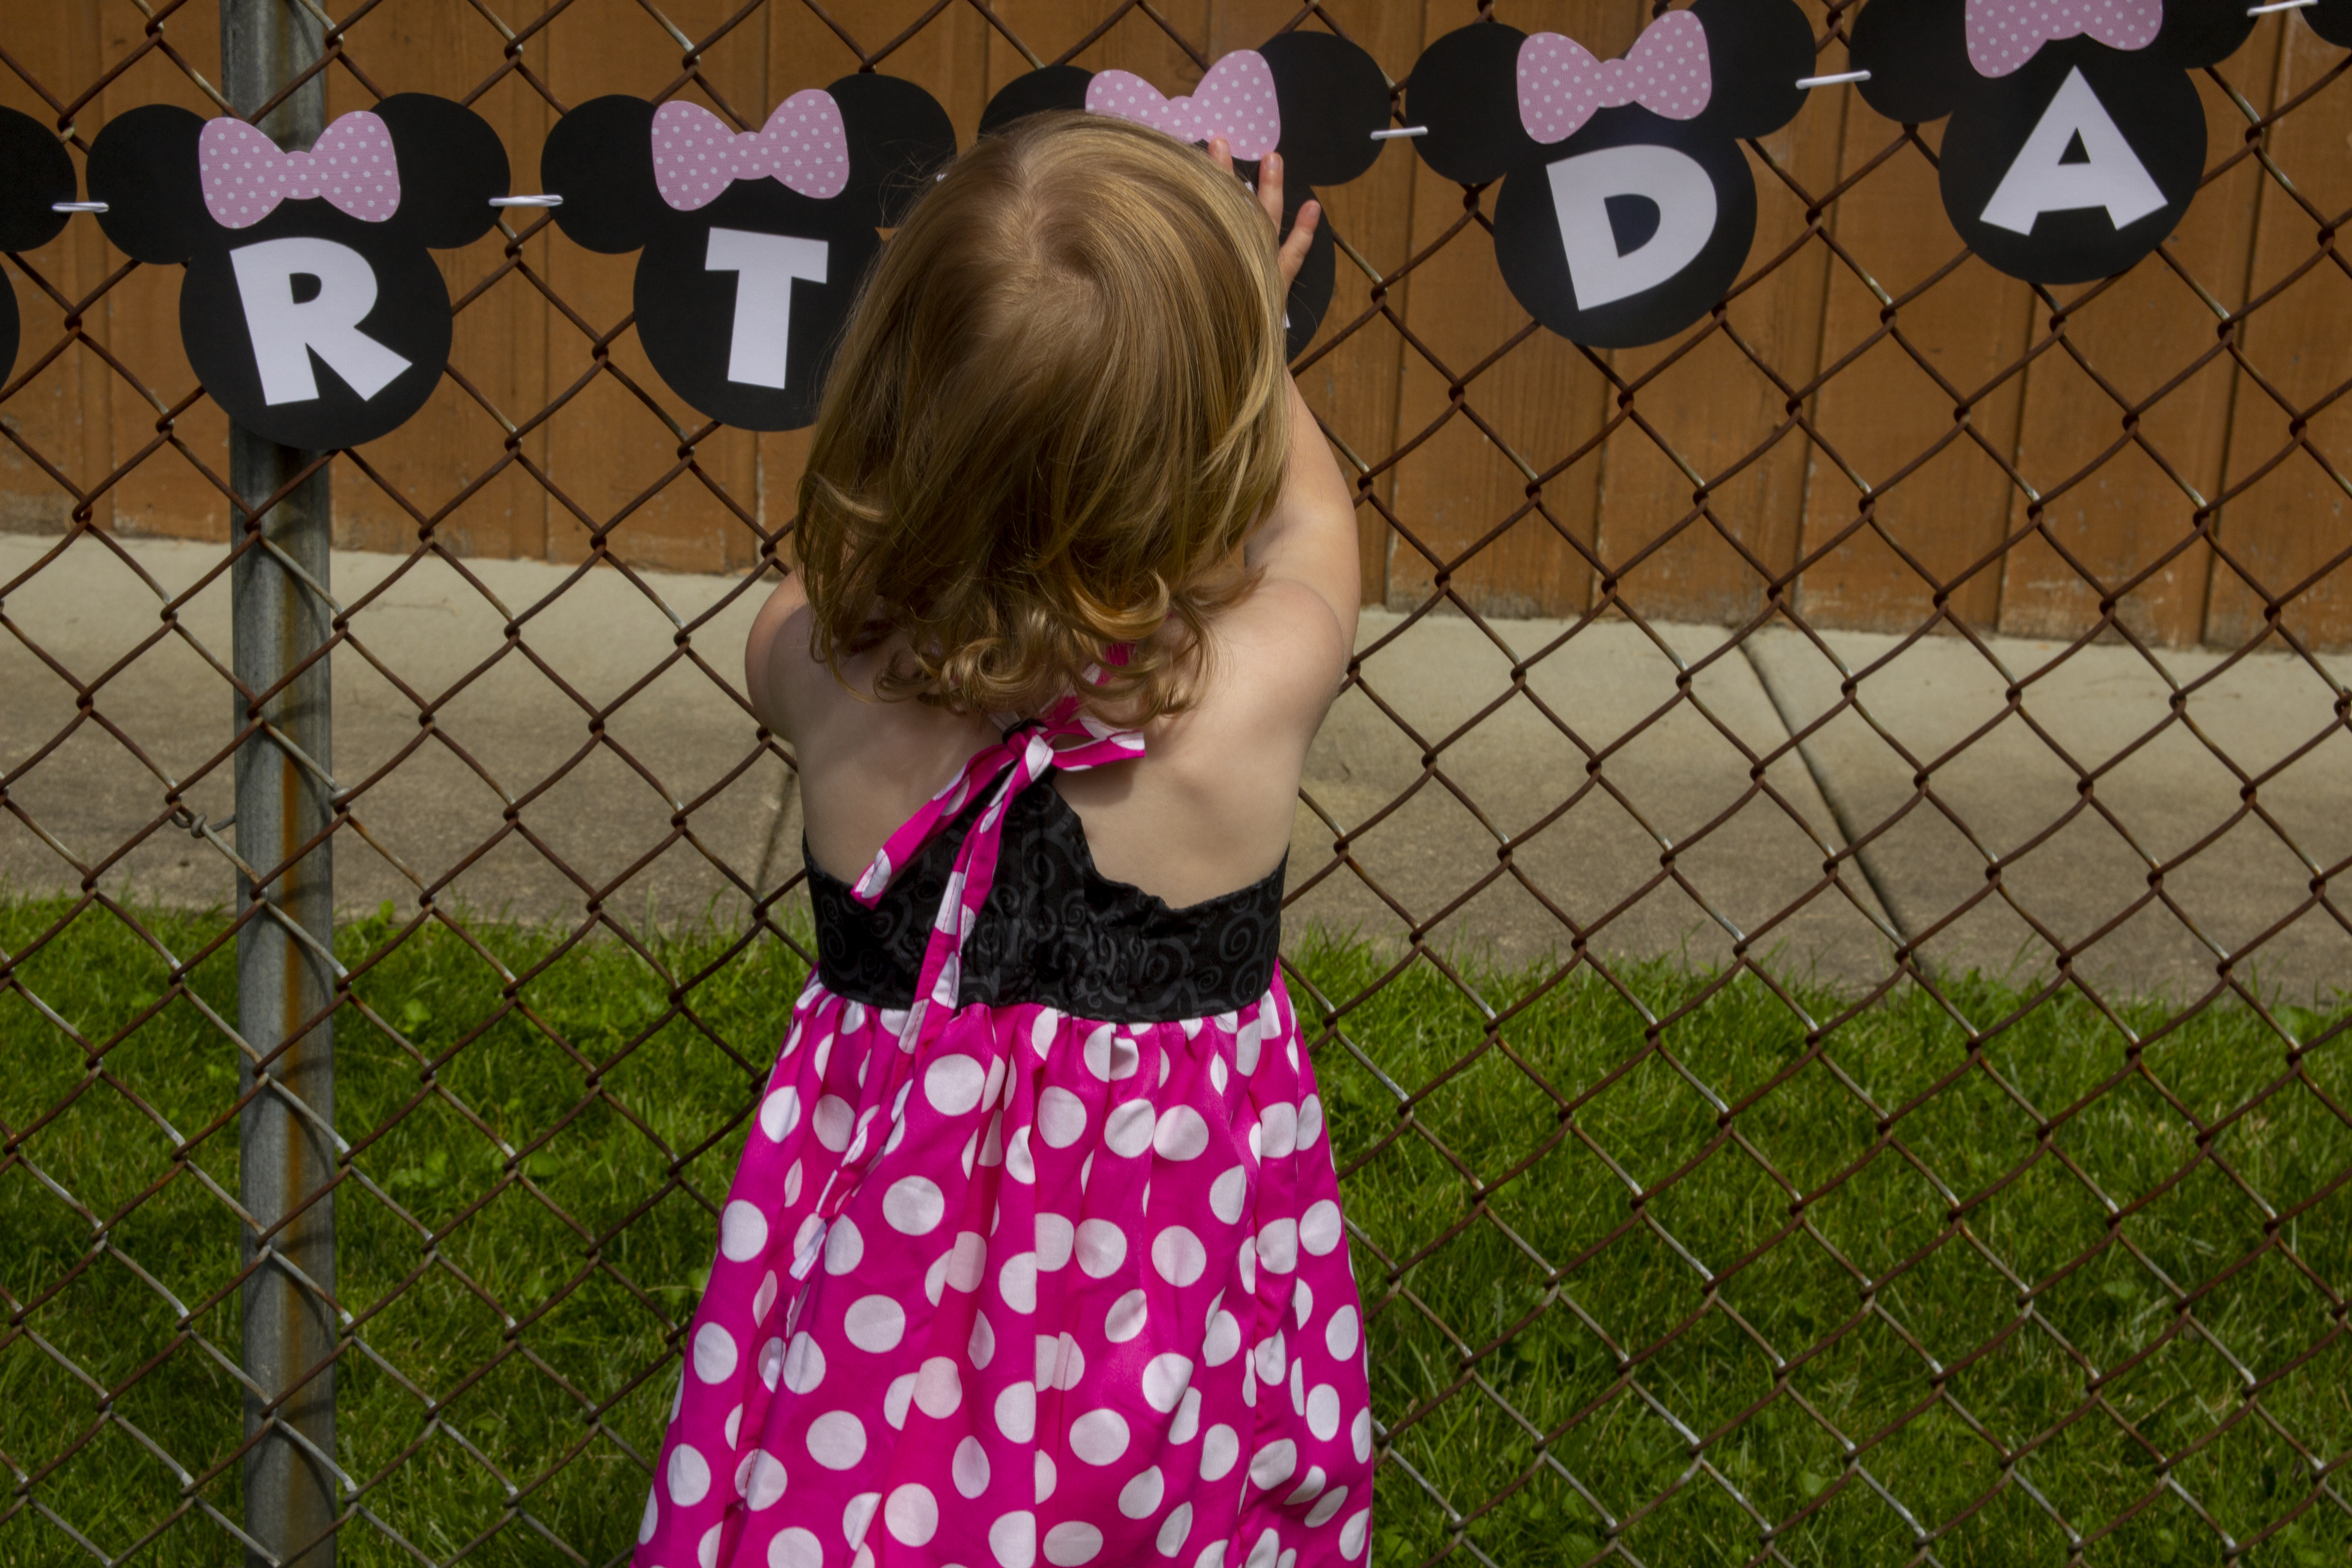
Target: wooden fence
x,y
2031,456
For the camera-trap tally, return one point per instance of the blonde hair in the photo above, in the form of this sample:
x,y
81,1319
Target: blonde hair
x,y
1058,408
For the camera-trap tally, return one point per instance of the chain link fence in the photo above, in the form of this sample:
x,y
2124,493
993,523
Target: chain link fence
x,y
1967,1182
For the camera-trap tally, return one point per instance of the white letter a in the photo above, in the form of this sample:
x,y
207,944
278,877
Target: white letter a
x,y
2038,182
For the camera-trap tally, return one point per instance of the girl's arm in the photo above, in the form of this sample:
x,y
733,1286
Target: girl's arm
x,y
1308,541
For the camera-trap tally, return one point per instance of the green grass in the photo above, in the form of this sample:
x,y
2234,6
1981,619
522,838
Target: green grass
x,y
1801,1315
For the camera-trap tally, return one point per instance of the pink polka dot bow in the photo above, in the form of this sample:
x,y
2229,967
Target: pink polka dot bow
x,y
803,147
246,177
1666,71
1235,100
2004,33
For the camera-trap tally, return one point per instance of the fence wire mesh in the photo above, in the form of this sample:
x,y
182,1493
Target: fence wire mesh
x,y
1661,1264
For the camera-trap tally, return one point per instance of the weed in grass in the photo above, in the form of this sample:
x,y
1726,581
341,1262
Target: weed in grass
x,y
1646,1264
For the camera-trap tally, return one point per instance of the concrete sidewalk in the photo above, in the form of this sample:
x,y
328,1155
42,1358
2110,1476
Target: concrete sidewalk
x,y
1623,777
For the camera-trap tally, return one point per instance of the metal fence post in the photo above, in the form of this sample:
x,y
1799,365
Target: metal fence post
x,y
285,976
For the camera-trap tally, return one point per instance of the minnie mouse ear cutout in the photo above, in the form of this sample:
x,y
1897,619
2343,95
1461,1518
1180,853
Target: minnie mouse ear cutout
x,y
2076,139
35,173
1626,208
752,244
312,309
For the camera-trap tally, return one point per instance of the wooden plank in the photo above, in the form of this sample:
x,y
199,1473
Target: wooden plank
x,y
1350,378
1880,413
607,446
2292,521
167,493
1713,407
1544,400
2118,514
442,46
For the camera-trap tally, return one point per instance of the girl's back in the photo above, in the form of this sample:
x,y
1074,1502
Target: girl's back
x,y
1035,1249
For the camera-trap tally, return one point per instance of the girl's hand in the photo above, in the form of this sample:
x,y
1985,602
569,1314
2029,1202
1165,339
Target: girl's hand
x,y
1291,253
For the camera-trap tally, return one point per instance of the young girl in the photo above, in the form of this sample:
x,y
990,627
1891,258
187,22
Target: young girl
x,y
1035,1249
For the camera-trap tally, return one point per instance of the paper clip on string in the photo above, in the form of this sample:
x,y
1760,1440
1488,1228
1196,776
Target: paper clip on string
x,y
77,207
1408,131
526,201
1810,82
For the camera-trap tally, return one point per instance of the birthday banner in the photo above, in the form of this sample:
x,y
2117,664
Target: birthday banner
x,y
1624,206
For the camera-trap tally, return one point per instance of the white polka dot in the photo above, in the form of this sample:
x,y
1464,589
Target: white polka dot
x,y
1247,1261
1127,1131
894,1400
968,1262
1017,1411
1318,1228
1340,1336
689,1475
1219,1451
1323,1412
1100,1436
1165,1379
1175,1529
1013,1539
952,1084
1017,1161
833,1121
875,1323
1102,1247
1125,1319
1271,1356
1277,1245
793,1184
743,1232
1017,1281
836,1440
970,1467
1223,1339
1310,1122
1302,1301
845,1248
795,1548
912,1514
767,1483
647,1525
1361,1433
914,1205
1279,1125
1060,1363
939,1389
1041,1029
780,1113
804,1365
771,1362
1179,1255
1071,1543
1330,1503
1097,1052
1061,1118
981,1350
1188,1417
1226,1193
1054,1241
714,1353
1047,1476
856,1517
1140,1497
1351,1534
1183,1134
763,1299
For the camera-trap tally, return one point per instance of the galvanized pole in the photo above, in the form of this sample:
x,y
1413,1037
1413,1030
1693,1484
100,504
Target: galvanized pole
x,y
285,979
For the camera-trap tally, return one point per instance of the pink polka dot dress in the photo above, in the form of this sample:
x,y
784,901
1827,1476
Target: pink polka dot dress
x,y
1035,1253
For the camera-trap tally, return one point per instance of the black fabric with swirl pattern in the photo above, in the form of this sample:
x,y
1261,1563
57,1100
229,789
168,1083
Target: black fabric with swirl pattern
x,y
1055,930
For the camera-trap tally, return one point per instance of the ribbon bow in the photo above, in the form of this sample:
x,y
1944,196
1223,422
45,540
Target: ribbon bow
x,y
1235,100
2005,34
245,177
1666,71
803,147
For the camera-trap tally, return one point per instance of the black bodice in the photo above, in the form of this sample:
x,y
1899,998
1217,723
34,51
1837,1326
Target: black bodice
x,y
1055,930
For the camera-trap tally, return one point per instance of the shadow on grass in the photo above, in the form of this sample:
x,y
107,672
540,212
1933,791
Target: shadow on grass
x,y
1671,1288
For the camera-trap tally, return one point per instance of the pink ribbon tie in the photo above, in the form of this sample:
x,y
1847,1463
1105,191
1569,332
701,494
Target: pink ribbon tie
x,y
245,177
803,147
1666,71
1236,100
2005,34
